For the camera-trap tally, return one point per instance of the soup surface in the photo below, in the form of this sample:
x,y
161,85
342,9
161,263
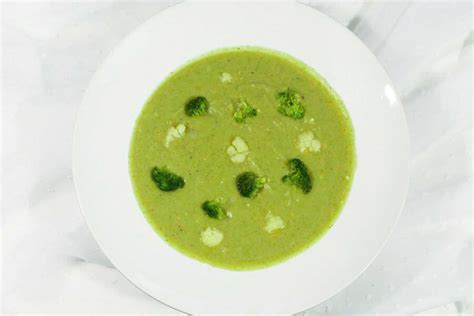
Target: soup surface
x,y
257,111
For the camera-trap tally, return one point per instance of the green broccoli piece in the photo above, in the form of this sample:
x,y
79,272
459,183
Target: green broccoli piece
x,y
244,110
214,209
166,180
197,107
290,104
299,175
249,184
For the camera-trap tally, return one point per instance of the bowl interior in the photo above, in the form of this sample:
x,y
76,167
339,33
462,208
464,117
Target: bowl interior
x,y
132,72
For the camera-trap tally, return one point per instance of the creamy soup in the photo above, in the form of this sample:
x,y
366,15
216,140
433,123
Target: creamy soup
x,y
242,158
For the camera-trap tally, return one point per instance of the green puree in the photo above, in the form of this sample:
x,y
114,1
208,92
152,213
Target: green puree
x,y
280,219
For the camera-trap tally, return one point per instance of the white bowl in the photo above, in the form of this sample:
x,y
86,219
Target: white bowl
x,y
132,72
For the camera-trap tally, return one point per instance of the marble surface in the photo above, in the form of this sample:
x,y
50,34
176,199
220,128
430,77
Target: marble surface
x,y
51,263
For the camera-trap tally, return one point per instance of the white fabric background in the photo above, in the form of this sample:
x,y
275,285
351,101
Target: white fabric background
x,y
52,264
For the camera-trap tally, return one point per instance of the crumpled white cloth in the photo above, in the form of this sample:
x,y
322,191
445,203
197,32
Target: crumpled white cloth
x,y
52,264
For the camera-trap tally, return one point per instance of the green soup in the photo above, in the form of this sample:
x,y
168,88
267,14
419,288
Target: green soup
x,y
281,219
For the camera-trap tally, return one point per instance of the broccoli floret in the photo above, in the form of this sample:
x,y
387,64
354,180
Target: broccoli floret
x,y
244,110
197,107
249,184
299,175
290,104
166,180
214,209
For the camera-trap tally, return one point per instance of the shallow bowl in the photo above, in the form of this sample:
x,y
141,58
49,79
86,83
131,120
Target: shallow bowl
x,y
134,69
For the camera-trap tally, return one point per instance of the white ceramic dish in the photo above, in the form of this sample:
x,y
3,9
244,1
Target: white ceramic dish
x,y
136,67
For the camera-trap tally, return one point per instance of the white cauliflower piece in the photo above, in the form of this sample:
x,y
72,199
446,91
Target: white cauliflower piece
x,y
174,133
211,237
273,223
238,151
306,141
226,77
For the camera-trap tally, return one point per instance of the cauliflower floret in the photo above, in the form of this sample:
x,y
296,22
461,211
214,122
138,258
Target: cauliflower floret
x,y
273,223
211,237
226,77
174,133
238,151
306,141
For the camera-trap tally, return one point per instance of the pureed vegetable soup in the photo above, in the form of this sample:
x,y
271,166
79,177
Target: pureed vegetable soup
x,y
242,158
